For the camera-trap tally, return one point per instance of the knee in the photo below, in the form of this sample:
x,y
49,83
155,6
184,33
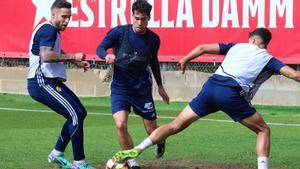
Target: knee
x,y
81,114
174,127
121,126
265,130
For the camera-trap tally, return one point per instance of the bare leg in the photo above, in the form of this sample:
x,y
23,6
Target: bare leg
x,y
124,138
121,119
258,125
182,121
150,125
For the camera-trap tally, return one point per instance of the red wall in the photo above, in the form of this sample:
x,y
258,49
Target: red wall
x,y
181,24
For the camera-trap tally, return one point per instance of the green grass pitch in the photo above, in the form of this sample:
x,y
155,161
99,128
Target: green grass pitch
x,y
28,134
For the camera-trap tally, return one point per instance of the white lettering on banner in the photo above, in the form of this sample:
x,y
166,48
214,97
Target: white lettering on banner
x,y
165,23
185,12
258,7
206,22
230,13
178,14
152,23
88,12
101,14
118,12
286,4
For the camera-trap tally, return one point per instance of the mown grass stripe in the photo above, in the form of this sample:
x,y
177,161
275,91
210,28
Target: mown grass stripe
x,y
160,117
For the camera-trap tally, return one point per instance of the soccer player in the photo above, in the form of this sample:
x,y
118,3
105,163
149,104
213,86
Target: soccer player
x,y
230,89
135,47
45,84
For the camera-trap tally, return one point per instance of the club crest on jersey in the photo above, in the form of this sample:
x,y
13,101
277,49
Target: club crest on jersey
x,y
58,88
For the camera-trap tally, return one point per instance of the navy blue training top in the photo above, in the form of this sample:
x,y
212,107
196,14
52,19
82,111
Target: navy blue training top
x,y
132,79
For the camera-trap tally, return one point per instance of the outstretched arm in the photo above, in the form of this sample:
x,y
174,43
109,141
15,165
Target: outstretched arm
x,y
196,52
49,55
290,73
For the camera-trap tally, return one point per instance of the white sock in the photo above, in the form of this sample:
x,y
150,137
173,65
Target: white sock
x,y
80,161
132,162
145,144
56,152
262,163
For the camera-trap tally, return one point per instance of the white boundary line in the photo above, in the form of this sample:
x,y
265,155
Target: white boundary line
x,y
160,117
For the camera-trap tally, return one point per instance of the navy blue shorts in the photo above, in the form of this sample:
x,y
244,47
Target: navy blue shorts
x,y
214,97
142,104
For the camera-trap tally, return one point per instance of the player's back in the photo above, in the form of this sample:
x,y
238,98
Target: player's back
x,y
244,62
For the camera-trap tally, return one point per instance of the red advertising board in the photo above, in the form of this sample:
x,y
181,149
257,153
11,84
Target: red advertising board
x,y
181,24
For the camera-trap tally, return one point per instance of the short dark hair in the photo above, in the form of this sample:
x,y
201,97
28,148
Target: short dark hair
x,y
61,4
141,6
264,33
